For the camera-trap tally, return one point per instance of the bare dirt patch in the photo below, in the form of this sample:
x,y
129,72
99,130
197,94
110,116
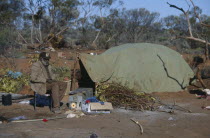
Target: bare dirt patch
x,y
117,124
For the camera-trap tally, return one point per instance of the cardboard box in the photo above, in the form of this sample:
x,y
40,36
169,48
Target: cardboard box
x,y
94,108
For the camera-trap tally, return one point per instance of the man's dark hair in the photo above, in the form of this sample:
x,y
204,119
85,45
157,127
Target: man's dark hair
x,y
44,55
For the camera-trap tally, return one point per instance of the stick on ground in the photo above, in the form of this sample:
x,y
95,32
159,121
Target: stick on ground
x,y
140,126
34,120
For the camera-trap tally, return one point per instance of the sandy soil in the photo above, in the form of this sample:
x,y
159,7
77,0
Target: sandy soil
x,y
114,125
118,124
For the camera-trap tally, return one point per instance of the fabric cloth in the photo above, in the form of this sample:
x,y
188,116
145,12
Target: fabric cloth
x,y
41,100
143,67
39,77
57,90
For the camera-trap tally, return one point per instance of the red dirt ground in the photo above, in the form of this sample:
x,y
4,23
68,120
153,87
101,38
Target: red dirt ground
x,y
114,125
156,124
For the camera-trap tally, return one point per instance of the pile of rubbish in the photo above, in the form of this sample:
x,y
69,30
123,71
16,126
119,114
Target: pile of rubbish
x,y
93,106
12,82
83,99
122,96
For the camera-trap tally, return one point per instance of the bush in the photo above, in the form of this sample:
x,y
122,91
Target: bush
x,y
11,83
62,73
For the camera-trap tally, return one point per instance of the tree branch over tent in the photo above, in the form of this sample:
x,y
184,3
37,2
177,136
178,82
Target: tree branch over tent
x,y
191,37
186,13
195,39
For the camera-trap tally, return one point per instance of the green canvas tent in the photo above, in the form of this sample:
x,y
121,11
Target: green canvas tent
x,y
141,66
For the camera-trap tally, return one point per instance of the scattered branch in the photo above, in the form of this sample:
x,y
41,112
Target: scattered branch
x,y
110,38
54,36
140,126
22,37
122,96
172,107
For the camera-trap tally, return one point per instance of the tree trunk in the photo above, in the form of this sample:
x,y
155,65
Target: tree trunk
x,y
207,51
32,30
94,41
189,24
40,32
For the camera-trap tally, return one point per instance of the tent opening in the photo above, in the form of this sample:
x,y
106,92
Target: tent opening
x,y
85,81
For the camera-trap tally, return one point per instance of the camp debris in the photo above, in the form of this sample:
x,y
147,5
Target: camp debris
x,y
14,96
94,106
207,107
77,96
141,66
207,91
75,113
202,93
14,75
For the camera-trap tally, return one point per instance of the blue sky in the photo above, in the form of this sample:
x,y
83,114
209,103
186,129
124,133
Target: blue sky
x,y
163,8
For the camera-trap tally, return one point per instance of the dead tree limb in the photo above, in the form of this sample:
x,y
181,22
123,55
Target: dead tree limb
x,y
186,13
57,34
207,50
22,37
189,111
197,15
174,6
53,37
110,38
195,39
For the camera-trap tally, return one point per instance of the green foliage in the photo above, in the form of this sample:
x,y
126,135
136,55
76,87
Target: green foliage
x,y
163,39
33,58
62,73
104,3
90,18
63,12
10,10
11,85
3,71
4,36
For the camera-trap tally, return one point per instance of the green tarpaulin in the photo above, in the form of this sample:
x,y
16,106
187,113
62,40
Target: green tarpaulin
x,y
142,66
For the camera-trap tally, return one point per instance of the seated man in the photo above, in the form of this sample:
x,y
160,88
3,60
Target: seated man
x,y
43,80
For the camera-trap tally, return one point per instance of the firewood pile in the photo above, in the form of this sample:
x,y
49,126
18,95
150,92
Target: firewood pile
x,y
122,96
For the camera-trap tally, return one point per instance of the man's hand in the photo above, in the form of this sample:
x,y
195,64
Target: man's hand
x,y
50,80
